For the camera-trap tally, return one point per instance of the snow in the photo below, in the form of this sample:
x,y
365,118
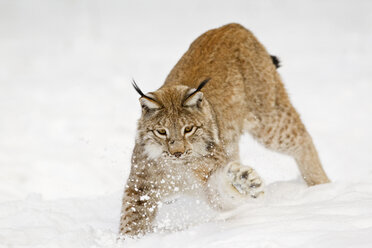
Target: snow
x,y
68,120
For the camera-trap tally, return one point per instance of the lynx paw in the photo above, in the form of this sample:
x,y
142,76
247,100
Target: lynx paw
x,y
245,180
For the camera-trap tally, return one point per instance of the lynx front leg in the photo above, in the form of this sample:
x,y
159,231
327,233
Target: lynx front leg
x,y
245,180
140,203
232,185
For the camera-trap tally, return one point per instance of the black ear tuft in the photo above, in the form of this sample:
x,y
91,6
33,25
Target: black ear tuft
x,y
201,85
276,61
135,86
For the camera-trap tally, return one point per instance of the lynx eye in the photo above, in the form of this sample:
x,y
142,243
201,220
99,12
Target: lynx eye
x,y
188,129
161,131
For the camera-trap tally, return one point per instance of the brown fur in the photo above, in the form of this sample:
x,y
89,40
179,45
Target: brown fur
x,y
244,94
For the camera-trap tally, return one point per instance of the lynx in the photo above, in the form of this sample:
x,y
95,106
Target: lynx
x,y
188,134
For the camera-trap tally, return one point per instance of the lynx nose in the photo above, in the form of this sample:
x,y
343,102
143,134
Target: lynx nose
x,y
177,154
176,148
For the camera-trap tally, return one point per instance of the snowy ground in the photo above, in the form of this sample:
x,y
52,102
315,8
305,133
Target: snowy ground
x,y
68,116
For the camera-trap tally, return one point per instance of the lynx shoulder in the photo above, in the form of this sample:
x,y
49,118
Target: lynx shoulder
x,y
187,140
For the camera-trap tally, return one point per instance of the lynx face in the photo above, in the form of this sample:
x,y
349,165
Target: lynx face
x,y
176,124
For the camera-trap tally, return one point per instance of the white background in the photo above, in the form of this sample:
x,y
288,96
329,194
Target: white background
x,y
68,119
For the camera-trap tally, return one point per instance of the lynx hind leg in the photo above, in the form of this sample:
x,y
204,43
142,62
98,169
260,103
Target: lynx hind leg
x,y
282,130
244,180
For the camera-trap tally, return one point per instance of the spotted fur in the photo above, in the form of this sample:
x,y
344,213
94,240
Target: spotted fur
x,y
188,135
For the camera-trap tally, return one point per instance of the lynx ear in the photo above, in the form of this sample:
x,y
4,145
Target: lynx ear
x,y
195,96
194,100
147,102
